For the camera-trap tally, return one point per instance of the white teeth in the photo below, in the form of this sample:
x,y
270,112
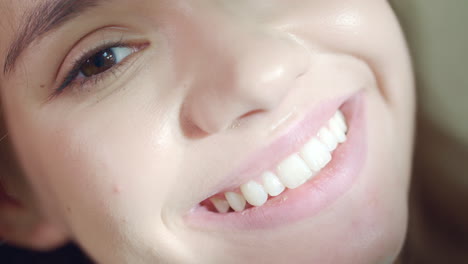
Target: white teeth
x,y
235,200
220,204
293,171
341,120
254,193
337,130
328,138
272,184
315,154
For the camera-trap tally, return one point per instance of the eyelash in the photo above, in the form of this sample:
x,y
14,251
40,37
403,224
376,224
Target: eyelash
x,y
70,80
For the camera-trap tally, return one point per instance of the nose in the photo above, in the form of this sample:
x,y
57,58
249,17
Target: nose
x,y
243,73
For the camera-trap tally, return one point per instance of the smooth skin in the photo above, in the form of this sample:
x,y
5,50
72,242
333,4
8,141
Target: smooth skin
x,y
116,163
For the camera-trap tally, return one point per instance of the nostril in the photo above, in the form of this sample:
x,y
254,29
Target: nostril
x,y
251,113
251,78
238,122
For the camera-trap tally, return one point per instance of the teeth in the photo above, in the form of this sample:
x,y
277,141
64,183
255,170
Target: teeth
x,y
220,204
341,120
337,130
327,138
254,193
315,154
272,184
235,200
293,171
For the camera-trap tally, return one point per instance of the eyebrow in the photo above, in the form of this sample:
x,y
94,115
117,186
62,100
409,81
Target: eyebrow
x,y
39,20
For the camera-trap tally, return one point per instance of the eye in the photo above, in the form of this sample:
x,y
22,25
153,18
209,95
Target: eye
x,y
94,65
103,61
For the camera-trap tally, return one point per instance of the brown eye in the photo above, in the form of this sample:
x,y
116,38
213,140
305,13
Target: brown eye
x,y
99,62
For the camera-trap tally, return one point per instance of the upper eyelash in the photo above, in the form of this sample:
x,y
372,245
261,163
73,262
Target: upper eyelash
x,y
73,73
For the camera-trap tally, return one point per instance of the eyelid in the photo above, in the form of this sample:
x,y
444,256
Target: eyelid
x,y
76,47
71,73
73,69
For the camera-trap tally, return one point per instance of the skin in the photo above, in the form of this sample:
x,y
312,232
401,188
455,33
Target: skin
x,y
128,156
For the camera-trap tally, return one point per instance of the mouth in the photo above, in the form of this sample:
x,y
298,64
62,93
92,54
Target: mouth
x,y
321,162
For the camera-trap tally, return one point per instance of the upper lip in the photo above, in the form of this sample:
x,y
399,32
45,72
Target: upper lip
x,y
292,138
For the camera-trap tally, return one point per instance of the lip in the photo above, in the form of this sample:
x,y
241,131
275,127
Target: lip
x,y
310,198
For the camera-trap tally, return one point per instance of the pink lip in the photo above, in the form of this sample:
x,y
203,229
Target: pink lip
x,y
310,198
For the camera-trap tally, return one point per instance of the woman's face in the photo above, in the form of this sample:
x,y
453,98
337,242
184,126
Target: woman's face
x,y
134,120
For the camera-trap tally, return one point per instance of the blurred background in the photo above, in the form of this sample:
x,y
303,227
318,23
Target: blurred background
x,y
438,37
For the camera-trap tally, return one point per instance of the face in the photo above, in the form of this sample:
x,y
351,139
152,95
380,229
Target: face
x,y
144,126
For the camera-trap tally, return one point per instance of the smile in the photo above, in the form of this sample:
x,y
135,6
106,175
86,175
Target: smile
x,y
291,173
310,177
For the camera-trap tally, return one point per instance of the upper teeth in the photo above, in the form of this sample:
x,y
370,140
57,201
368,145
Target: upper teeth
x,y
292,172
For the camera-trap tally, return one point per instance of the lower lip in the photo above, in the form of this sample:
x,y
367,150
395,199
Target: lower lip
x,y
309,199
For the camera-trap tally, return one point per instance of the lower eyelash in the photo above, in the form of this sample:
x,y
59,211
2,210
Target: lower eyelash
x,y
95,79
78,63
79,85
82,84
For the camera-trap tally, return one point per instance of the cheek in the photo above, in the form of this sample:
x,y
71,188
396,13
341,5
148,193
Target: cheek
x,y
383,188
365,29
107,160
99,167
103,181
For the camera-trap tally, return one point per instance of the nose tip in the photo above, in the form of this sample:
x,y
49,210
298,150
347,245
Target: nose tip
x,y
250,78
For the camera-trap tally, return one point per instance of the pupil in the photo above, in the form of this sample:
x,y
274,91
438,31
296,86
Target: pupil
x,y
98,63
